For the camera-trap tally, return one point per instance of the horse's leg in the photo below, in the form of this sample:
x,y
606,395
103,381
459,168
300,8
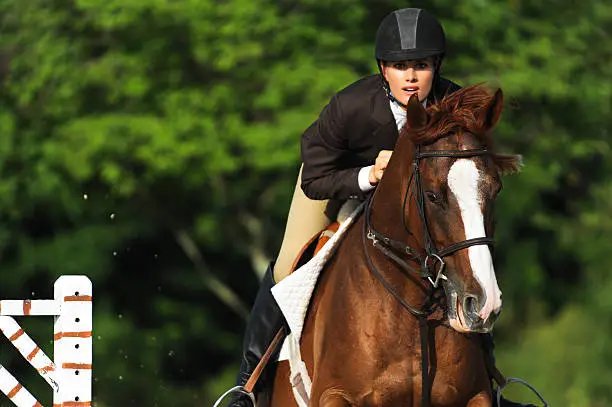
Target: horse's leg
x,y
333,398
336,402
282,395
482,399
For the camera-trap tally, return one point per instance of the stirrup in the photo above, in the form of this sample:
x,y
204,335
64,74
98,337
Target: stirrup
x,y
509,380
236,389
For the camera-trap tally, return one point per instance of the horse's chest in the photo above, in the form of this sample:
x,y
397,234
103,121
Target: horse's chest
x,y
391,375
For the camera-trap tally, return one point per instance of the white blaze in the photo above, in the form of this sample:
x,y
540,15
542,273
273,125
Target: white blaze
x,y
463,179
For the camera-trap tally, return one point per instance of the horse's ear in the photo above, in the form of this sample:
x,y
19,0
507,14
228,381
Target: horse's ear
x,y
492,112
416,115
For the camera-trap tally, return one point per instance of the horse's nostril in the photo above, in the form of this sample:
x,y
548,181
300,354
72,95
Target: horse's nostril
x,y
470,304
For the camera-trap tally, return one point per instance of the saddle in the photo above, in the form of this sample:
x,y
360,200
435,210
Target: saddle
x,y
312,247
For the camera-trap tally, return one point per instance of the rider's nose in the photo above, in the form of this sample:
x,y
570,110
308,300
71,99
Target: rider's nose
x,y
411,75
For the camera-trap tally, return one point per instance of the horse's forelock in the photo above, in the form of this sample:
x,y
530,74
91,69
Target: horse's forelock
x,y
465,110
460,110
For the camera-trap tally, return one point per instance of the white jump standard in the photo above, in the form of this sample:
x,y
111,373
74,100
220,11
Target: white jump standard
x,y
70,373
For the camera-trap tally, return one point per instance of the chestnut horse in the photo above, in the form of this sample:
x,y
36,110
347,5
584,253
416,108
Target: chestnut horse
x,y
380,331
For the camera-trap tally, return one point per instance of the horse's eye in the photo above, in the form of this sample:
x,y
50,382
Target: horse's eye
x,y
433,197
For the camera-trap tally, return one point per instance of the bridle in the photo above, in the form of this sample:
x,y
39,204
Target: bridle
x,y
390,247
397,251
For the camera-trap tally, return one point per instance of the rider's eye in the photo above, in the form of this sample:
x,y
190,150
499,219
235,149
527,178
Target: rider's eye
x,y
433,197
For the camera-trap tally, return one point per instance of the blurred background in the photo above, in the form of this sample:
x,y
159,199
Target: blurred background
x,y
154,145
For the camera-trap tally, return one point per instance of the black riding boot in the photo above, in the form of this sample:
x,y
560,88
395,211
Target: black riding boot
x,y
490,347
265,321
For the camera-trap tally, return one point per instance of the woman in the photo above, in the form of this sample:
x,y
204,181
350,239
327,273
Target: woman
x,y
346,151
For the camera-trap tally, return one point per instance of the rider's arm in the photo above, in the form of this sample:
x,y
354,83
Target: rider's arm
x,y
327,171
364,179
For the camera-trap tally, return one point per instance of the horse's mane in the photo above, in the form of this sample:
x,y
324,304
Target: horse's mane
x,y
464,111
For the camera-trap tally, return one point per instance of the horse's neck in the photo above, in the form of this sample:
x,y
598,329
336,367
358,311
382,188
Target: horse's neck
x,y
388,204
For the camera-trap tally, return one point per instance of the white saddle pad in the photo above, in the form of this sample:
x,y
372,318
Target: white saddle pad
x,y
293,296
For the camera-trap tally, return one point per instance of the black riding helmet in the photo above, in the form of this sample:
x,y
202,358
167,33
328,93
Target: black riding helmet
x,y
407,34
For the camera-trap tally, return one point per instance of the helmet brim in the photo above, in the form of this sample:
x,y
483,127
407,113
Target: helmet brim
x,y
408,54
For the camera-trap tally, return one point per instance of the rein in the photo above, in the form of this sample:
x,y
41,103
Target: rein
x,y
396,250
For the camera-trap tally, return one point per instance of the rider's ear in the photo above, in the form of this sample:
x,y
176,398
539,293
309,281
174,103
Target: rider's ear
x,y
416,115
492,112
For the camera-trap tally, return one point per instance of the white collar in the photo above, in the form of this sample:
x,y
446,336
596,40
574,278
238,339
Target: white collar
x,y
399,114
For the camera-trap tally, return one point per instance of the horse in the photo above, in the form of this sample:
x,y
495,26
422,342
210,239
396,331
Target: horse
x,y
398,313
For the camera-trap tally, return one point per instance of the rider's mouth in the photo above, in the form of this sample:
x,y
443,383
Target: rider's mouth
x,y
410,89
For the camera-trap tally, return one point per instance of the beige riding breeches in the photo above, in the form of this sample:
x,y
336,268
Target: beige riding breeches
x,y
306,217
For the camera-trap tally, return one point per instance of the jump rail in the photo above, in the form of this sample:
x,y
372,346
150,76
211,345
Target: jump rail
x,y
70,373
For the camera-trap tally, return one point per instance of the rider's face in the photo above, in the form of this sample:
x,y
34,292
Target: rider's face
x,y
408,77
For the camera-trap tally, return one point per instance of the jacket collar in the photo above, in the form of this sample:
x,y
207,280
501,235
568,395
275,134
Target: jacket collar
x,y
381,111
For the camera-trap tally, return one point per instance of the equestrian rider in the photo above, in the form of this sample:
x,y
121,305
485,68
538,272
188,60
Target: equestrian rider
x,y
345,152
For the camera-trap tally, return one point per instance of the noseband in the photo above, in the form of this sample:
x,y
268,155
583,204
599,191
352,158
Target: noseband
x,y
395,250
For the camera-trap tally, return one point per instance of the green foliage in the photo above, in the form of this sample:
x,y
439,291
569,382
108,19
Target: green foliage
x,y
154,147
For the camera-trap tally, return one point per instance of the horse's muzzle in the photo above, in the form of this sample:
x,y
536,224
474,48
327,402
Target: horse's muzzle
x,y
463,314
471,313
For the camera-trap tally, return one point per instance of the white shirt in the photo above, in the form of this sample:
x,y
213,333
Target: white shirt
x,y
400,119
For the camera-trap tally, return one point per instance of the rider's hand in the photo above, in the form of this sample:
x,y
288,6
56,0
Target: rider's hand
x,y
376,172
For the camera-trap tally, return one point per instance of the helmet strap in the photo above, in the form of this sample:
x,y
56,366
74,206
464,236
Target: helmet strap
x,y
386,88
